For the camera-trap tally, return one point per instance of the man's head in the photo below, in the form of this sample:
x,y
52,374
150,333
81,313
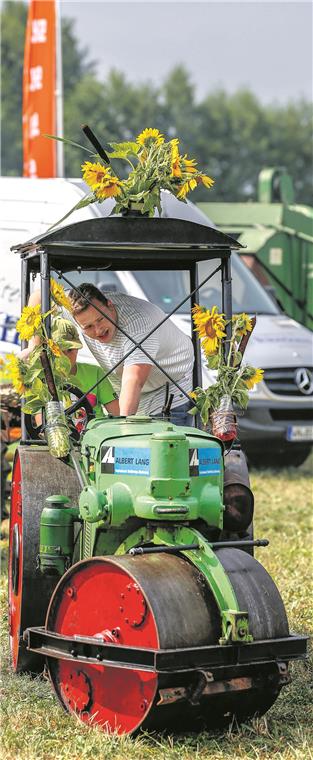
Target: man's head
x,y
87,315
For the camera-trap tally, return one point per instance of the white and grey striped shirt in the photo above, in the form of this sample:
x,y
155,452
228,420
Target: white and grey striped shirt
x,y
171,348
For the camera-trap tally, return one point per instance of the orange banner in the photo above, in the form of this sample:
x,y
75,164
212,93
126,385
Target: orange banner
x,y
39,85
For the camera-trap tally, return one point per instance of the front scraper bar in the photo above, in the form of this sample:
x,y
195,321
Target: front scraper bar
x,y
90,649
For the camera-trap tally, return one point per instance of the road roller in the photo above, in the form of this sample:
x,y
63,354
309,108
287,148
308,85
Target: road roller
x,y
132,578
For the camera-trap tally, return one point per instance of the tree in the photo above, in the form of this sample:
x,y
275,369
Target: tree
x,y
232,136
13,24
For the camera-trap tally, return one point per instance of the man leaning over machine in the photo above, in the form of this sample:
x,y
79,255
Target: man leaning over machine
x,y
140,385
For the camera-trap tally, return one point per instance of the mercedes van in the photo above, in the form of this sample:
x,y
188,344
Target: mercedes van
x,y
277,427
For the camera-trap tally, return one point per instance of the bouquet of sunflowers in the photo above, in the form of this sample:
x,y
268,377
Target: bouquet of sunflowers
x,y
153,164
233,379
42,379
28,377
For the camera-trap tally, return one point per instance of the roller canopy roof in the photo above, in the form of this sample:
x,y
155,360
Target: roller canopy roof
x,y
132,242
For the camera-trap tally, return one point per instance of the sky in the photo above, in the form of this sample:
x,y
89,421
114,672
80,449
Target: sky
x,y
265,46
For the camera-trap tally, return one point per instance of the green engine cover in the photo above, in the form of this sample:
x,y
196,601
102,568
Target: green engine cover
x,y
153,470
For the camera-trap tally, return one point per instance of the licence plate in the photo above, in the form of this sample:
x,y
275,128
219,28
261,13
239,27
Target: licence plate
x,y
300,433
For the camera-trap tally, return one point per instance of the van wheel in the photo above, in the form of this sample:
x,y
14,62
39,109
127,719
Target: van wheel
x,y
291,458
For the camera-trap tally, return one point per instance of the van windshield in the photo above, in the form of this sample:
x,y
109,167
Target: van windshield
x,y
166,289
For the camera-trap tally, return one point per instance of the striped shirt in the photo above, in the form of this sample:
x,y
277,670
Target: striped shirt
x,y
171,348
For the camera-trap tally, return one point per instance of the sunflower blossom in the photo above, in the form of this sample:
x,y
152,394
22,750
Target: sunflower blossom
x,y
109,188
94,173
244,324
256,378
14,373
29,322
150,134
210,326
175,160
59,296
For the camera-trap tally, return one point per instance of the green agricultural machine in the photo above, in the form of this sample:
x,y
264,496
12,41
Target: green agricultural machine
x,y
277,235
131,568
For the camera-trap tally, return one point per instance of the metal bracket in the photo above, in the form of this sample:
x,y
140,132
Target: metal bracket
x,y
235,627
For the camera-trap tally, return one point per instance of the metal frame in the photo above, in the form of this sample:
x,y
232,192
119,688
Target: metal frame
x,y
95,250
237,657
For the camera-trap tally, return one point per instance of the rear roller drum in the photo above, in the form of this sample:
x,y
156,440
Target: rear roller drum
x,y
36,475
157,601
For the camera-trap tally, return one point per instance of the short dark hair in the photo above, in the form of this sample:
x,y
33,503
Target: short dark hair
x,y
79,295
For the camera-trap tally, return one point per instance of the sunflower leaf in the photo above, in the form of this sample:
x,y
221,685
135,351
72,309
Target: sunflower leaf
x,y
70,142
123,149
89,198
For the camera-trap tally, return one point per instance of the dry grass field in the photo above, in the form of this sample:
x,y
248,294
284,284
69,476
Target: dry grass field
x,y
34,727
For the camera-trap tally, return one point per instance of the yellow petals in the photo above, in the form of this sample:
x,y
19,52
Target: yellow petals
x,y
59,296
256,378
193,395
150,134
189,164
54,348
13,371
206,181
210,326
110,188
101,180
176,158
183,190
29,322
94,173
244,324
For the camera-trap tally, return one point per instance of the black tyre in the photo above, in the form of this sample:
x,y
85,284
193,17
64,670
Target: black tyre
x,y
36,475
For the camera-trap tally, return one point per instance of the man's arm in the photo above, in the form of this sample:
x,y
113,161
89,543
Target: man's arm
x,y
113,407
133,380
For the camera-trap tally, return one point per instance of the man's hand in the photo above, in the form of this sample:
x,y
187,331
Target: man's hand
x,y
25,353
133,380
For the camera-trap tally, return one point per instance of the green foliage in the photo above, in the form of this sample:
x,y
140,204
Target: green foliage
x,y
232,136
233,378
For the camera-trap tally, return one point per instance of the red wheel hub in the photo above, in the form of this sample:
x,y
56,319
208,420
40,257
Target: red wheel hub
x,y
15,563
104,601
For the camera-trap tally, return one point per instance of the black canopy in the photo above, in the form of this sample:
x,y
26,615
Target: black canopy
x,y
128,243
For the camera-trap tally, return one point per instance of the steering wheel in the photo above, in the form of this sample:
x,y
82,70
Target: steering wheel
x,y
34,431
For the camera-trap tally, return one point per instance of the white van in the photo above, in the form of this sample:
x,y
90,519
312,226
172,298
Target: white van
x,y
277,428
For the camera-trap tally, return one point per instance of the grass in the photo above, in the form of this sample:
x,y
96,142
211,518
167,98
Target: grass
x,y
35,727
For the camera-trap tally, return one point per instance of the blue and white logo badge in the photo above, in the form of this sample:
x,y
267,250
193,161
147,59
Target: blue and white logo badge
x,y
204,461
132,461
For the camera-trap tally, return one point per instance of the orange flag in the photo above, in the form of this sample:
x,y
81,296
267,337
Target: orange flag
x,y
39,90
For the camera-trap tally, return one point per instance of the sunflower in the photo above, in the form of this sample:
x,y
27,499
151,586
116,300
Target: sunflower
x,y
29,322
14,373
255,378
59,296
94,174
109,188
175,159
210,327
54,348
150,134
244,324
